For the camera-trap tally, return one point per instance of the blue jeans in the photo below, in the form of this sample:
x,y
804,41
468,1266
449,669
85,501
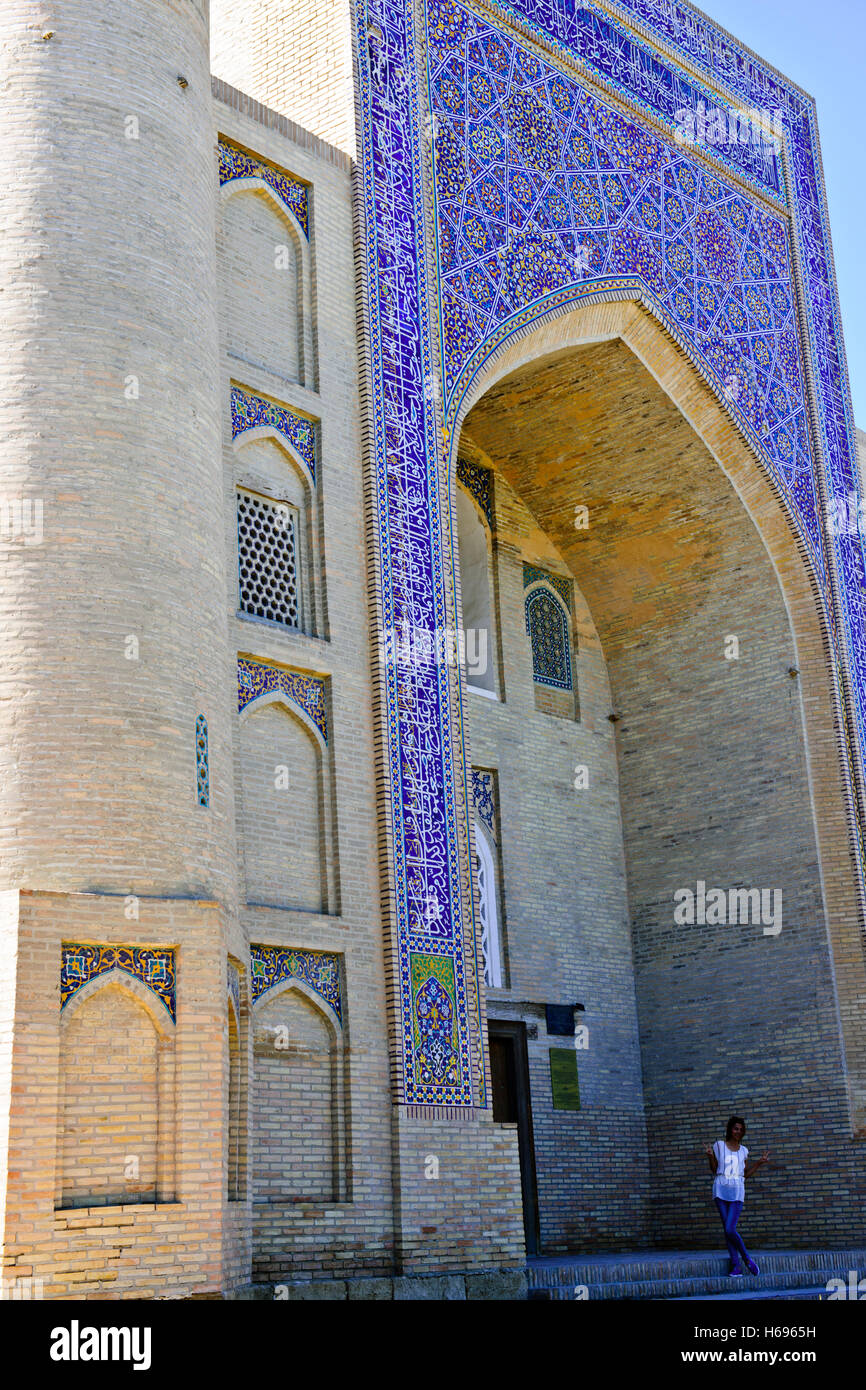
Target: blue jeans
x,y
730,1213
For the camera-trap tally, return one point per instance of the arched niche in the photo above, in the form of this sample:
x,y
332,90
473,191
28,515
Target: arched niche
x,y
267,467
284,803
116,1109
688,542
266,281
298,1100
236,1129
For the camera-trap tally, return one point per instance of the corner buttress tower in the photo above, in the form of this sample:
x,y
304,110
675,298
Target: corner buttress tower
x,y
116,823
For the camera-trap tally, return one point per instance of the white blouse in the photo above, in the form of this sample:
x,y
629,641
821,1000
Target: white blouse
x,y
730,1180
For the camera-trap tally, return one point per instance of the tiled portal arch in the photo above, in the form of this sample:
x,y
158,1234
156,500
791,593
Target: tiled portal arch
x,y
523,172
552,336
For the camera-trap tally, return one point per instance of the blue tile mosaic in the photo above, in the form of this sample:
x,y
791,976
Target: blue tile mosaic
x,y
236,164
270,965
564,587
478,482
603,46
250,411
153,966
548,192
547,626
257,678
540,187
431,934
484,800
202,771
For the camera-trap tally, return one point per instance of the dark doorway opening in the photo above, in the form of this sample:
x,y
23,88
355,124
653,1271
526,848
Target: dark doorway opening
x,y
509,1069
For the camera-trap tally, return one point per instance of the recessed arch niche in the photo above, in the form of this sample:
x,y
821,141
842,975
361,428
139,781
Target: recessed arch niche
x,y
285,808
689,542
116,1105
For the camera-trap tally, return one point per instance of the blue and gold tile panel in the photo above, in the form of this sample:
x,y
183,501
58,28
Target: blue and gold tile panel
x,y
319,970
202,770
478,482
547,193
484,800
624,61
542,187
236,164
256,678
153,966
250,411
434,1006
533,575
428,906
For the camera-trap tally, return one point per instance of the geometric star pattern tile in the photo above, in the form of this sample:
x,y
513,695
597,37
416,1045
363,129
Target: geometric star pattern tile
x,y
540,185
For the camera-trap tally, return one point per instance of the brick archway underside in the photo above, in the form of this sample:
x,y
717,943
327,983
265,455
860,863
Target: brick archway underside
x,y
729,770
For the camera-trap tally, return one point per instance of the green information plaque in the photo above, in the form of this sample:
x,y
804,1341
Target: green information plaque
x,y
563,1078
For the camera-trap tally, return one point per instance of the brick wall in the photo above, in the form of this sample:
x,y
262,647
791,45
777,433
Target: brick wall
x,y
281,814
294,56
114,634
564,904
352,1230
109,1093
294,1117
116,1247
457,1199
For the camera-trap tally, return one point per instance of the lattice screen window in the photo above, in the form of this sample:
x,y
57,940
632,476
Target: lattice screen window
x,y
268,559
547,625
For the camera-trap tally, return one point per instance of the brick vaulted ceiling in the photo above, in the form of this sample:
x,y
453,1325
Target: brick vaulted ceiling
x,y
592,426
710,749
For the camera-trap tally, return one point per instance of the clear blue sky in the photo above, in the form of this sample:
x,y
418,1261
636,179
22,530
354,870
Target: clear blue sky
x,y
820,45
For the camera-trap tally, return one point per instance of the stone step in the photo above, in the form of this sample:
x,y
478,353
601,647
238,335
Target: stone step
x,y
815,1294
683,1275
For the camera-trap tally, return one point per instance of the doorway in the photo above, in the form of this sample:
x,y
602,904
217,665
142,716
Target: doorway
x,y
509,1072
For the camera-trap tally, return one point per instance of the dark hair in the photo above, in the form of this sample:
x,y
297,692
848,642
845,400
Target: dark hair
x,y
734,1120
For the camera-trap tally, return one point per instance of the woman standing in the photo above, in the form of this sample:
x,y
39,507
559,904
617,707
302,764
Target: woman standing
x,y
727,1159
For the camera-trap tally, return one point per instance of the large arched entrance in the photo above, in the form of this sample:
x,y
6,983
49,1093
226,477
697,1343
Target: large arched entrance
x,y
673,843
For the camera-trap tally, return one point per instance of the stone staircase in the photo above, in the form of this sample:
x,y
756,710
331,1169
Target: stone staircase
x,y
785,1274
